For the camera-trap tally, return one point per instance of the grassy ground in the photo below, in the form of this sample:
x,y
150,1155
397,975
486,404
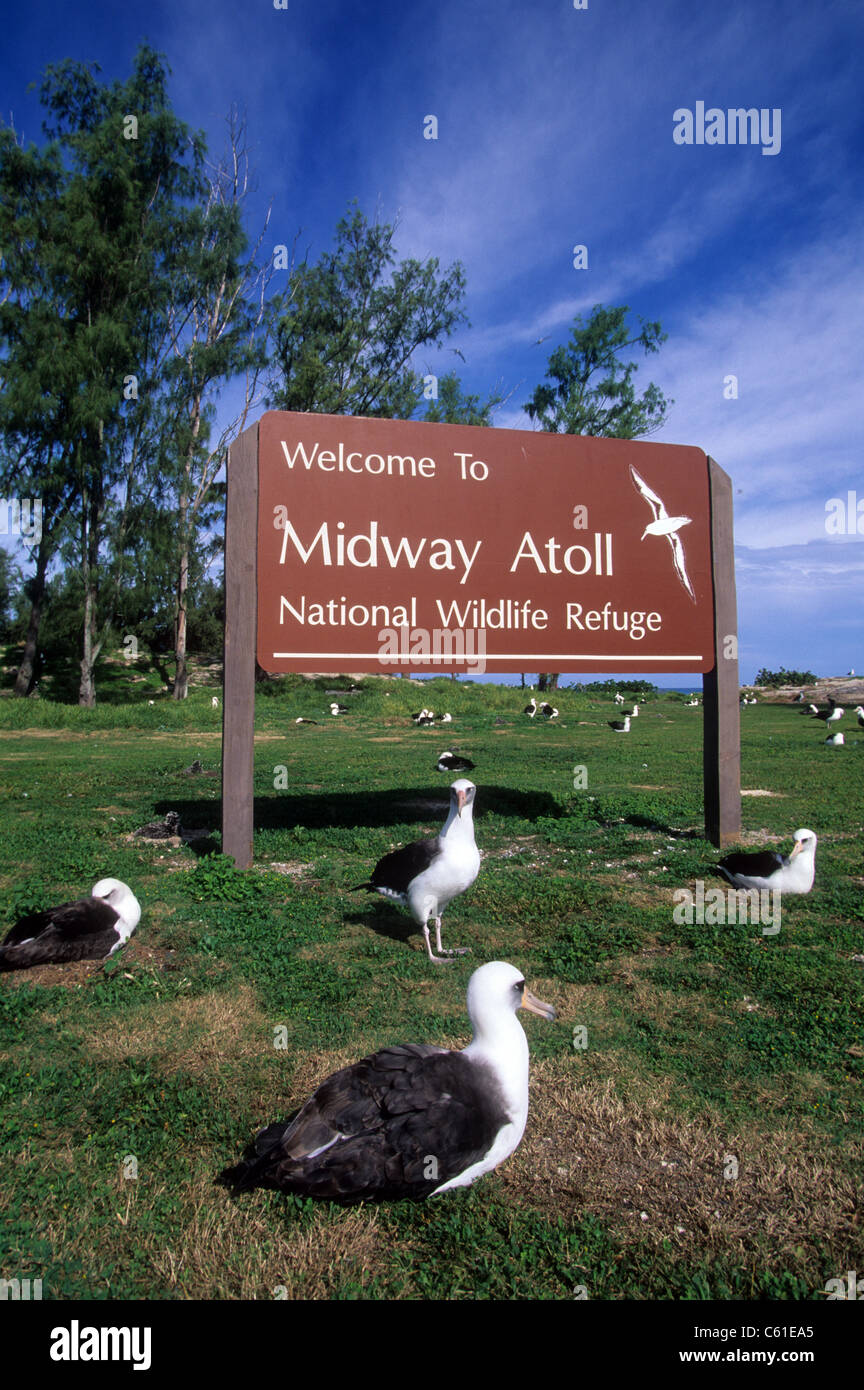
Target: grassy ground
x,y
705,1143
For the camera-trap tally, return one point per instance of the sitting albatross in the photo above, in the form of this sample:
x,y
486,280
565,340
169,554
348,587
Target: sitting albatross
x,y
785,874
84,930
409,1121
454,762
426,875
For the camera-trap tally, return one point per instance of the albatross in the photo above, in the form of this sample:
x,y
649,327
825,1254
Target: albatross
x,y
410,1121
426,875
87,929
453,762
792,873
832,714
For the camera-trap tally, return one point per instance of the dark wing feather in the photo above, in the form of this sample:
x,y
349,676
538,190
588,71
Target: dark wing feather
x,y
397,870
753,865
82,930
398,1124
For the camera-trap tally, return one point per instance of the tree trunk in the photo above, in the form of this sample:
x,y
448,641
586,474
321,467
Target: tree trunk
x,y
90,518
87,687
26,671
181,675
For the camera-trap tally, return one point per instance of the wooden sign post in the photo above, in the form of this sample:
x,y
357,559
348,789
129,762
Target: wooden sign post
x,y
352,544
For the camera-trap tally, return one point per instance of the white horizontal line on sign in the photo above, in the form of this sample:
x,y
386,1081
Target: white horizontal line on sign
x,y
408,660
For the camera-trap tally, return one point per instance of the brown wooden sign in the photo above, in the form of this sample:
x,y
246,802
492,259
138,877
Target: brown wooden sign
x,y
395,545
388,545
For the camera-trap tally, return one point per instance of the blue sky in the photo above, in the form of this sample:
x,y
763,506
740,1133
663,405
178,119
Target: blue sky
x,y
555,128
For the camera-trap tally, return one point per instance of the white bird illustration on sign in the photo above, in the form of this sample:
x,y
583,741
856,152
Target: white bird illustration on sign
x,y
665,525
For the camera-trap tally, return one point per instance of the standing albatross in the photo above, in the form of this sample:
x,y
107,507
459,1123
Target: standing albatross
x,y
426,875
409,1121
84,930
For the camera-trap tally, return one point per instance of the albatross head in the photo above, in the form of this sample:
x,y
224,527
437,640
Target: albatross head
x,y
805,843
462,793
495,992
121,898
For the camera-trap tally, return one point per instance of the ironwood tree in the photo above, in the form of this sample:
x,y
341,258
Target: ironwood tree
x,y
106,201
349,325
590,388
454,406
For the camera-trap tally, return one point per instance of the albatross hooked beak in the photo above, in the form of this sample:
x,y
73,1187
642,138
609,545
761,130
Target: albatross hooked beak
x,y
461,798
536,1006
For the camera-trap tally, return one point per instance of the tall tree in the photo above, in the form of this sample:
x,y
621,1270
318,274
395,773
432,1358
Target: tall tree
x,y
220,321
10,583
593,391
36,443
454,407
350,324
122,166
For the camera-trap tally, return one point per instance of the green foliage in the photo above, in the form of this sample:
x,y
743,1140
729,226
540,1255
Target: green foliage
x,y
453,407
593,391
10,583
350,325
91,229
784,677
215,879
612,686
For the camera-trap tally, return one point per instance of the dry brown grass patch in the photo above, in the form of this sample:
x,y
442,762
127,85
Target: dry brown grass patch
x,y
589,1151
188,1034
227,1250
221,1247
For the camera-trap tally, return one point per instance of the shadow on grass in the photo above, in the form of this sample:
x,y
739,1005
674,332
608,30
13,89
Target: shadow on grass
x,y
663,827
385,919
351,810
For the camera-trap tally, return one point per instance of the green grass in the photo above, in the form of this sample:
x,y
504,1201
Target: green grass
x,y
241,990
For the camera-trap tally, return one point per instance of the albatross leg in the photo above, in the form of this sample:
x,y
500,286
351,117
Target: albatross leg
x,y
455,951
437,960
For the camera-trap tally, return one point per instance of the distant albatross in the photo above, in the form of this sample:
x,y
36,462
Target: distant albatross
x,y
452,762
792,873
409,1121
84,930
426,875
